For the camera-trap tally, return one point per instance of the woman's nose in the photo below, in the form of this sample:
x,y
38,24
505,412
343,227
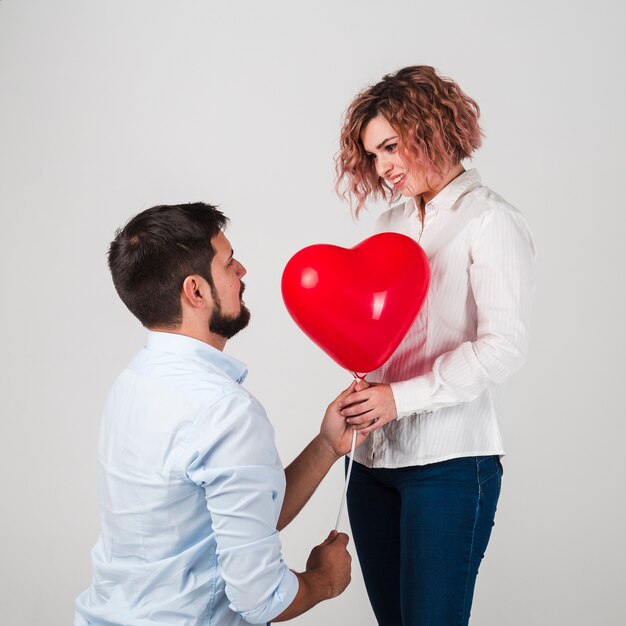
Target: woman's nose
x,y
383,166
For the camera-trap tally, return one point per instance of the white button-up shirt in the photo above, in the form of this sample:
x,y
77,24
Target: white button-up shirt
x,y
191,487
471,334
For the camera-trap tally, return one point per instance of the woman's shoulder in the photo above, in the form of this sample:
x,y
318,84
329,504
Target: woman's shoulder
x,y
487,200
496,215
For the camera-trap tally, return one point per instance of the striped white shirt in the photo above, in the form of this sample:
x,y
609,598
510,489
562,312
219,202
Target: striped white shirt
x,y
471,334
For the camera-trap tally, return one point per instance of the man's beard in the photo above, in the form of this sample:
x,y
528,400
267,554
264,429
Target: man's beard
x,y
228,326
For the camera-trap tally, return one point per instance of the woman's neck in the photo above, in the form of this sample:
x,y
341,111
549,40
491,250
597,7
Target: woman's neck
x,y
448,177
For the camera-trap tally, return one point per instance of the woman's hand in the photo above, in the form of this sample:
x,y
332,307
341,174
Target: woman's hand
x,y
369,409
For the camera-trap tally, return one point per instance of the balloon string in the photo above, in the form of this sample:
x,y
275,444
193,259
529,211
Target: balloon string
x,y
345,489
349,472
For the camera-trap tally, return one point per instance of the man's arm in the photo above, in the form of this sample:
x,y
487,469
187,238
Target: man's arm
x,y
308,469
232,456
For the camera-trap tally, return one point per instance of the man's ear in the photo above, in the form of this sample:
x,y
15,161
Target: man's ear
x,y
196,292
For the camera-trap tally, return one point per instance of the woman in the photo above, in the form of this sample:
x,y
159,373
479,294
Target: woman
x,y
426,481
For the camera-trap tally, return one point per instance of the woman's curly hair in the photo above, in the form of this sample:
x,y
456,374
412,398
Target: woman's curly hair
x,y
436,122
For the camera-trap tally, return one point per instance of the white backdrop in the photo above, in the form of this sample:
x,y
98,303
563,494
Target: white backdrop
x,y
109,107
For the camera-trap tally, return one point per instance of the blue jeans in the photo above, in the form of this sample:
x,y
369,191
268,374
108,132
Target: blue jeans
x,y
420,533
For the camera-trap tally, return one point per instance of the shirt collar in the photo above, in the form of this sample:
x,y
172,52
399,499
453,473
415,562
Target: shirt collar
x,y
182,344
448,196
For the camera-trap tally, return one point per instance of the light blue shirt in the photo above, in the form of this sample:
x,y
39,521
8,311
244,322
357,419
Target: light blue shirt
x,y
191,489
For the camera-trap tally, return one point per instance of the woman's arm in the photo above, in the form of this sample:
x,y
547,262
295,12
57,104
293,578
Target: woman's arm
x,y
502,281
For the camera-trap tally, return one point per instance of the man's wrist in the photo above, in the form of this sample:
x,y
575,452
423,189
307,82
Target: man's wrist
x,y
315,586
326,450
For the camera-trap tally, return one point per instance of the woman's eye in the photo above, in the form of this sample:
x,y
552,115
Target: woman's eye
x,y
391,147
370,156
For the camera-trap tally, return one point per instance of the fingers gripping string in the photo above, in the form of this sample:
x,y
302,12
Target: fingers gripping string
x,y
352,449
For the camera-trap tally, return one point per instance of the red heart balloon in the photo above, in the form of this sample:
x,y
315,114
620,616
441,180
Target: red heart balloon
x,y
358,303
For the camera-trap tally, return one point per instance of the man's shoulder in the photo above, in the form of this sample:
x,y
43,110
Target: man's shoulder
x,y
178,398
186,375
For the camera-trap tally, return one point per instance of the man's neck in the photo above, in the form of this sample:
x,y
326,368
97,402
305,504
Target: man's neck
x,y
195,332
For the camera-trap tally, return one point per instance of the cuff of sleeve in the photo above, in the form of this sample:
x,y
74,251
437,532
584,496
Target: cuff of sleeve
x,y
282,597
411,396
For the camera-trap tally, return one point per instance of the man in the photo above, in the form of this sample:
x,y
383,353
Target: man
x,y
192,490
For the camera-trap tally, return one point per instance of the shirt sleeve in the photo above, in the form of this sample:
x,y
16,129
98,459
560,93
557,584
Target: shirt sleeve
x,y
232,455
501,274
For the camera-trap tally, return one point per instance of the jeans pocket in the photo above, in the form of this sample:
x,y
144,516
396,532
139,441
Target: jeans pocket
x,y
488,467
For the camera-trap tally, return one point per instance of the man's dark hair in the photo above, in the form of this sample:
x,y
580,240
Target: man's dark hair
x,y
152,255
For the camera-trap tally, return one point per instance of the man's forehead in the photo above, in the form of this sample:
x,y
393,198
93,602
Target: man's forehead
x,y
221,245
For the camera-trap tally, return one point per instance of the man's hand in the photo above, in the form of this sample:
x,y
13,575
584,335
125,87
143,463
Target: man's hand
x,y
369,409
328,573
331,563
335,430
